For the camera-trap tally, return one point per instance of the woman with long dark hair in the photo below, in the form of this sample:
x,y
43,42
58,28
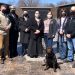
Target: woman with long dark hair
x,y
61,34
35,44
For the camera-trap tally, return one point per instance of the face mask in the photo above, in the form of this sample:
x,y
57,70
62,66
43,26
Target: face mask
x,y
72,13
12,11
26,15
4,11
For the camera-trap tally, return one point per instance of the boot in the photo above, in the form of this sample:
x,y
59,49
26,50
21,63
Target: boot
x,y
2,61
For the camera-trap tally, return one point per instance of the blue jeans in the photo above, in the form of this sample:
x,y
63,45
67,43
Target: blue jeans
x,y
62,46
70,55
48,41
73,43
21,49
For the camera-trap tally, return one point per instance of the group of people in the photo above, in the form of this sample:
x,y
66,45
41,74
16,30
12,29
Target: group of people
x,y
8,32
32,30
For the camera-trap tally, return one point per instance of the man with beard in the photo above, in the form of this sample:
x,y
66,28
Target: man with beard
x,y
70,34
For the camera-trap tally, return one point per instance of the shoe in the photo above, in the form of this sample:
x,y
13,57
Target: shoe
x,y
31,56
60,58
73,66
2,61
11,59
36,56
66,60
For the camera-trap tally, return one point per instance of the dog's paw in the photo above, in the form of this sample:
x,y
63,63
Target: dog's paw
x,y
46,68
58,67
43,64
55,70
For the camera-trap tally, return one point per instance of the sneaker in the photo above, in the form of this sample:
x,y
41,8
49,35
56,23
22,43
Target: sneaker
x,y
2,61
11,59
60,58
66,60
73,66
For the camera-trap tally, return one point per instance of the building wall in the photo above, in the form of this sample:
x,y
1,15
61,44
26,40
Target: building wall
x,y
43,12
66,7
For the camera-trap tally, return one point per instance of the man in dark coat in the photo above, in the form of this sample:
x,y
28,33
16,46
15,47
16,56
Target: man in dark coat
x,y
70,34
35,44
13,33
24,27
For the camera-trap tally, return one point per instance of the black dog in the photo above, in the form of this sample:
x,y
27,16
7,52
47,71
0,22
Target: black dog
x,y
51,61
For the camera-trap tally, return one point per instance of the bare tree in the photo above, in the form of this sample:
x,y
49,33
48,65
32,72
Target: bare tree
x,y
49,5
21,3
32,2
62,2
12,2
28,3
72,1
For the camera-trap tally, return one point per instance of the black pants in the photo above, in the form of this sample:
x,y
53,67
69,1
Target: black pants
x,y
13,44
3,54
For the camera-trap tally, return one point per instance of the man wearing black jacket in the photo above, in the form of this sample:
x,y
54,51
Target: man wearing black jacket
x,y
13,32
70,34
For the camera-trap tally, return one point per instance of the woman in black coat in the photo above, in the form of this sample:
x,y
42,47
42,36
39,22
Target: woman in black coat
x,y
24,27
35,45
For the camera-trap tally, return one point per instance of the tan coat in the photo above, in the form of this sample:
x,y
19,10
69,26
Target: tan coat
x,y
4,21
5,25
